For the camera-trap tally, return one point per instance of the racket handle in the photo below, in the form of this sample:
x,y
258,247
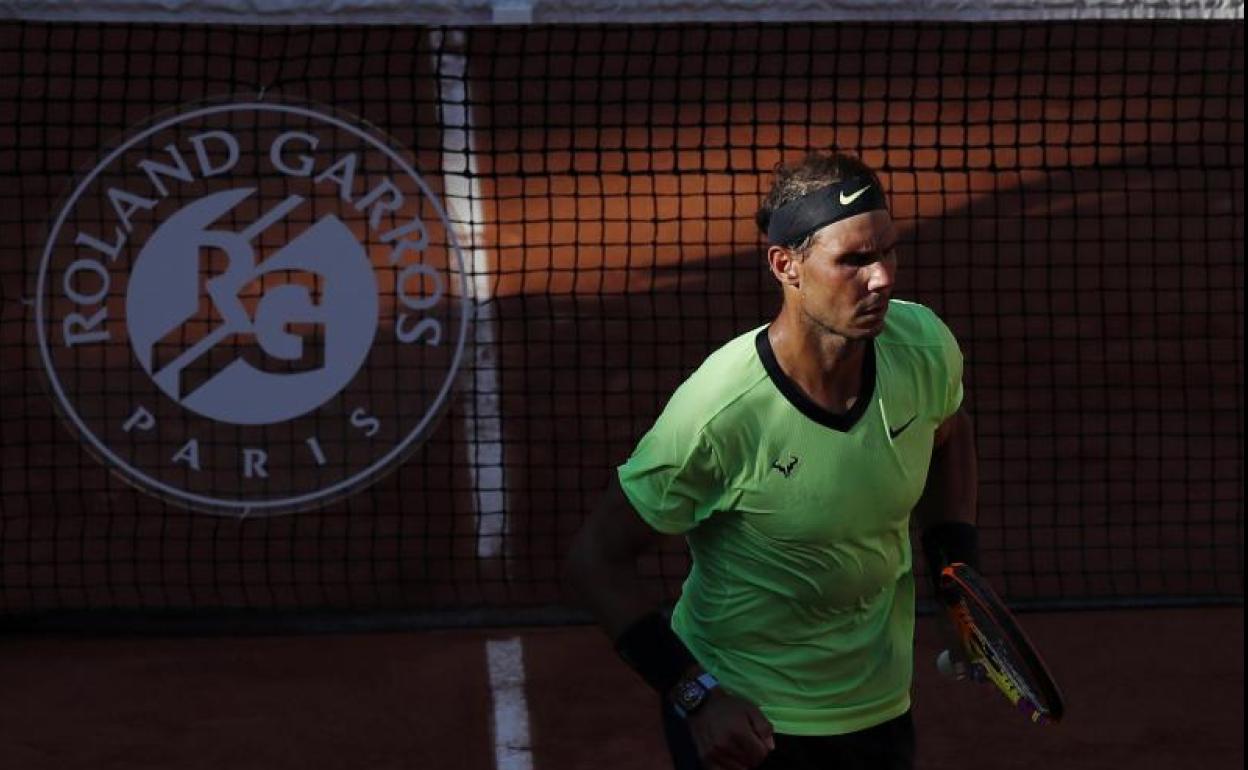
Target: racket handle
x,y
944,664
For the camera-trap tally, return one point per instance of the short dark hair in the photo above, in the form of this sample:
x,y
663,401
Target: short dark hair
x,y
816,171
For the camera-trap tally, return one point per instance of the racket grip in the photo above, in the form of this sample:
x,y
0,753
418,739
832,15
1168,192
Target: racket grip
x,y
944,664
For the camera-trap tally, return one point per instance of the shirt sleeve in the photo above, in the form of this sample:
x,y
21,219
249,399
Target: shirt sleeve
x,y
951,378
673,477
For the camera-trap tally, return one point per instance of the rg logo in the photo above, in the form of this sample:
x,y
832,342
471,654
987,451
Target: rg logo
x,y
252,308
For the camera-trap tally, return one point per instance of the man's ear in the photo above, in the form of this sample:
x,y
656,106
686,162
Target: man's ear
x,y
784,265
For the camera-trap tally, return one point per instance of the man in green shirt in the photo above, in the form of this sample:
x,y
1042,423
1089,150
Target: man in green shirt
x,y
791,461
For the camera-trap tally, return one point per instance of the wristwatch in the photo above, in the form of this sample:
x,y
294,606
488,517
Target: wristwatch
x,y
689,694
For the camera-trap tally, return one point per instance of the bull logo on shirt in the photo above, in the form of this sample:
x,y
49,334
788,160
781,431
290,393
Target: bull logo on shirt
x,y
786,470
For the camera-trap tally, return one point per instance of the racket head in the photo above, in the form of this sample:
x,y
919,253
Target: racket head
x,y
995,641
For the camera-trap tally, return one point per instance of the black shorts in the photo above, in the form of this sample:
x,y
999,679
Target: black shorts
x,y
887,746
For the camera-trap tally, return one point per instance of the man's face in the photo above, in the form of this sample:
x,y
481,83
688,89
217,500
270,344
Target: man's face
x,y
847,278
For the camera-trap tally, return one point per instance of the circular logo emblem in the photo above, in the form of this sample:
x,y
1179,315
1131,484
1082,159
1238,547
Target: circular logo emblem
x,y
252,308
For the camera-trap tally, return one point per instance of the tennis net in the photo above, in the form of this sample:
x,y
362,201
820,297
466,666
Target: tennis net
x,y
1070,193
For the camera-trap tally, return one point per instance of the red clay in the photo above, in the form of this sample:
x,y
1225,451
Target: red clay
x,y
1146,689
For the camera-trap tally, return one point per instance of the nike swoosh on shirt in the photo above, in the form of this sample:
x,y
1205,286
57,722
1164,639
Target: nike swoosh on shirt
x,y
848,199
895,433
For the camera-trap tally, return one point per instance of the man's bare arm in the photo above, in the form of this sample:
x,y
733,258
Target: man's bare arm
x,y
602,563
951,493
729,732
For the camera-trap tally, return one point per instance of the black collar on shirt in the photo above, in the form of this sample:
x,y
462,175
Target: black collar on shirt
x,y
842,422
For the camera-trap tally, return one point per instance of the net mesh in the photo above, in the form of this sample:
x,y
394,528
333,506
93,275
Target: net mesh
x,y
1070,197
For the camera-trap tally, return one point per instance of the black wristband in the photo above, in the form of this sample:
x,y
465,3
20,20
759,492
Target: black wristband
x,y
651,648
947,542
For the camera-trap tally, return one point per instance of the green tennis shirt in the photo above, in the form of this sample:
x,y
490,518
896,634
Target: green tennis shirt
x,y
800,597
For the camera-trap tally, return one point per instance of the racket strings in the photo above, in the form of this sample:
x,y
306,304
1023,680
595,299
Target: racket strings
x,y
999,668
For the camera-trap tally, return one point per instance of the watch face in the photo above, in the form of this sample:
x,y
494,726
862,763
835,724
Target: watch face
x,y
689,695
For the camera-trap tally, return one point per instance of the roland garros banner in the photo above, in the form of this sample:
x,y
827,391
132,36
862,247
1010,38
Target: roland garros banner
x,y
251,308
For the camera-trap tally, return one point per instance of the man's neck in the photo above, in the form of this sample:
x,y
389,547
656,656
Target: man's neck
x,y
825,365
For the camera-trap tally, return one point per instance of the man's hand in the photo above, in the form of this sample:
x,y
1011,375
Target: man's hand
x,y
731,733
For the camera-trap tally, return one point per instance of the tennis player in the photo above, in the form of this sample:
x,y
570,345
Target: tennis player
x,y
791,461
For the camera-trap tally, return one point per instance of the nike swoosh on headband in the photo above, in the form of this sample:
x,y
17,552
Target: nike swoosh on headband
x,y
848,199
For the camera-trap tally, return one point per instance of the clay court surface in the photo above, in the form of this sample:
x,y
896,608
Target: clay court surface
x,y
1147,690
616,184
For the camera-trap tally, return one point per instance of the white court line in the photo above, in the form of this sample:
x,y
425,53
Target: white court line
x,y
512,747
483,423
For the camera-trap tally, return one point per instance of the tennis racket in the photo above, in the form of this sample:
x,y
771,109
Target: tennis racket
x,y
996,648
